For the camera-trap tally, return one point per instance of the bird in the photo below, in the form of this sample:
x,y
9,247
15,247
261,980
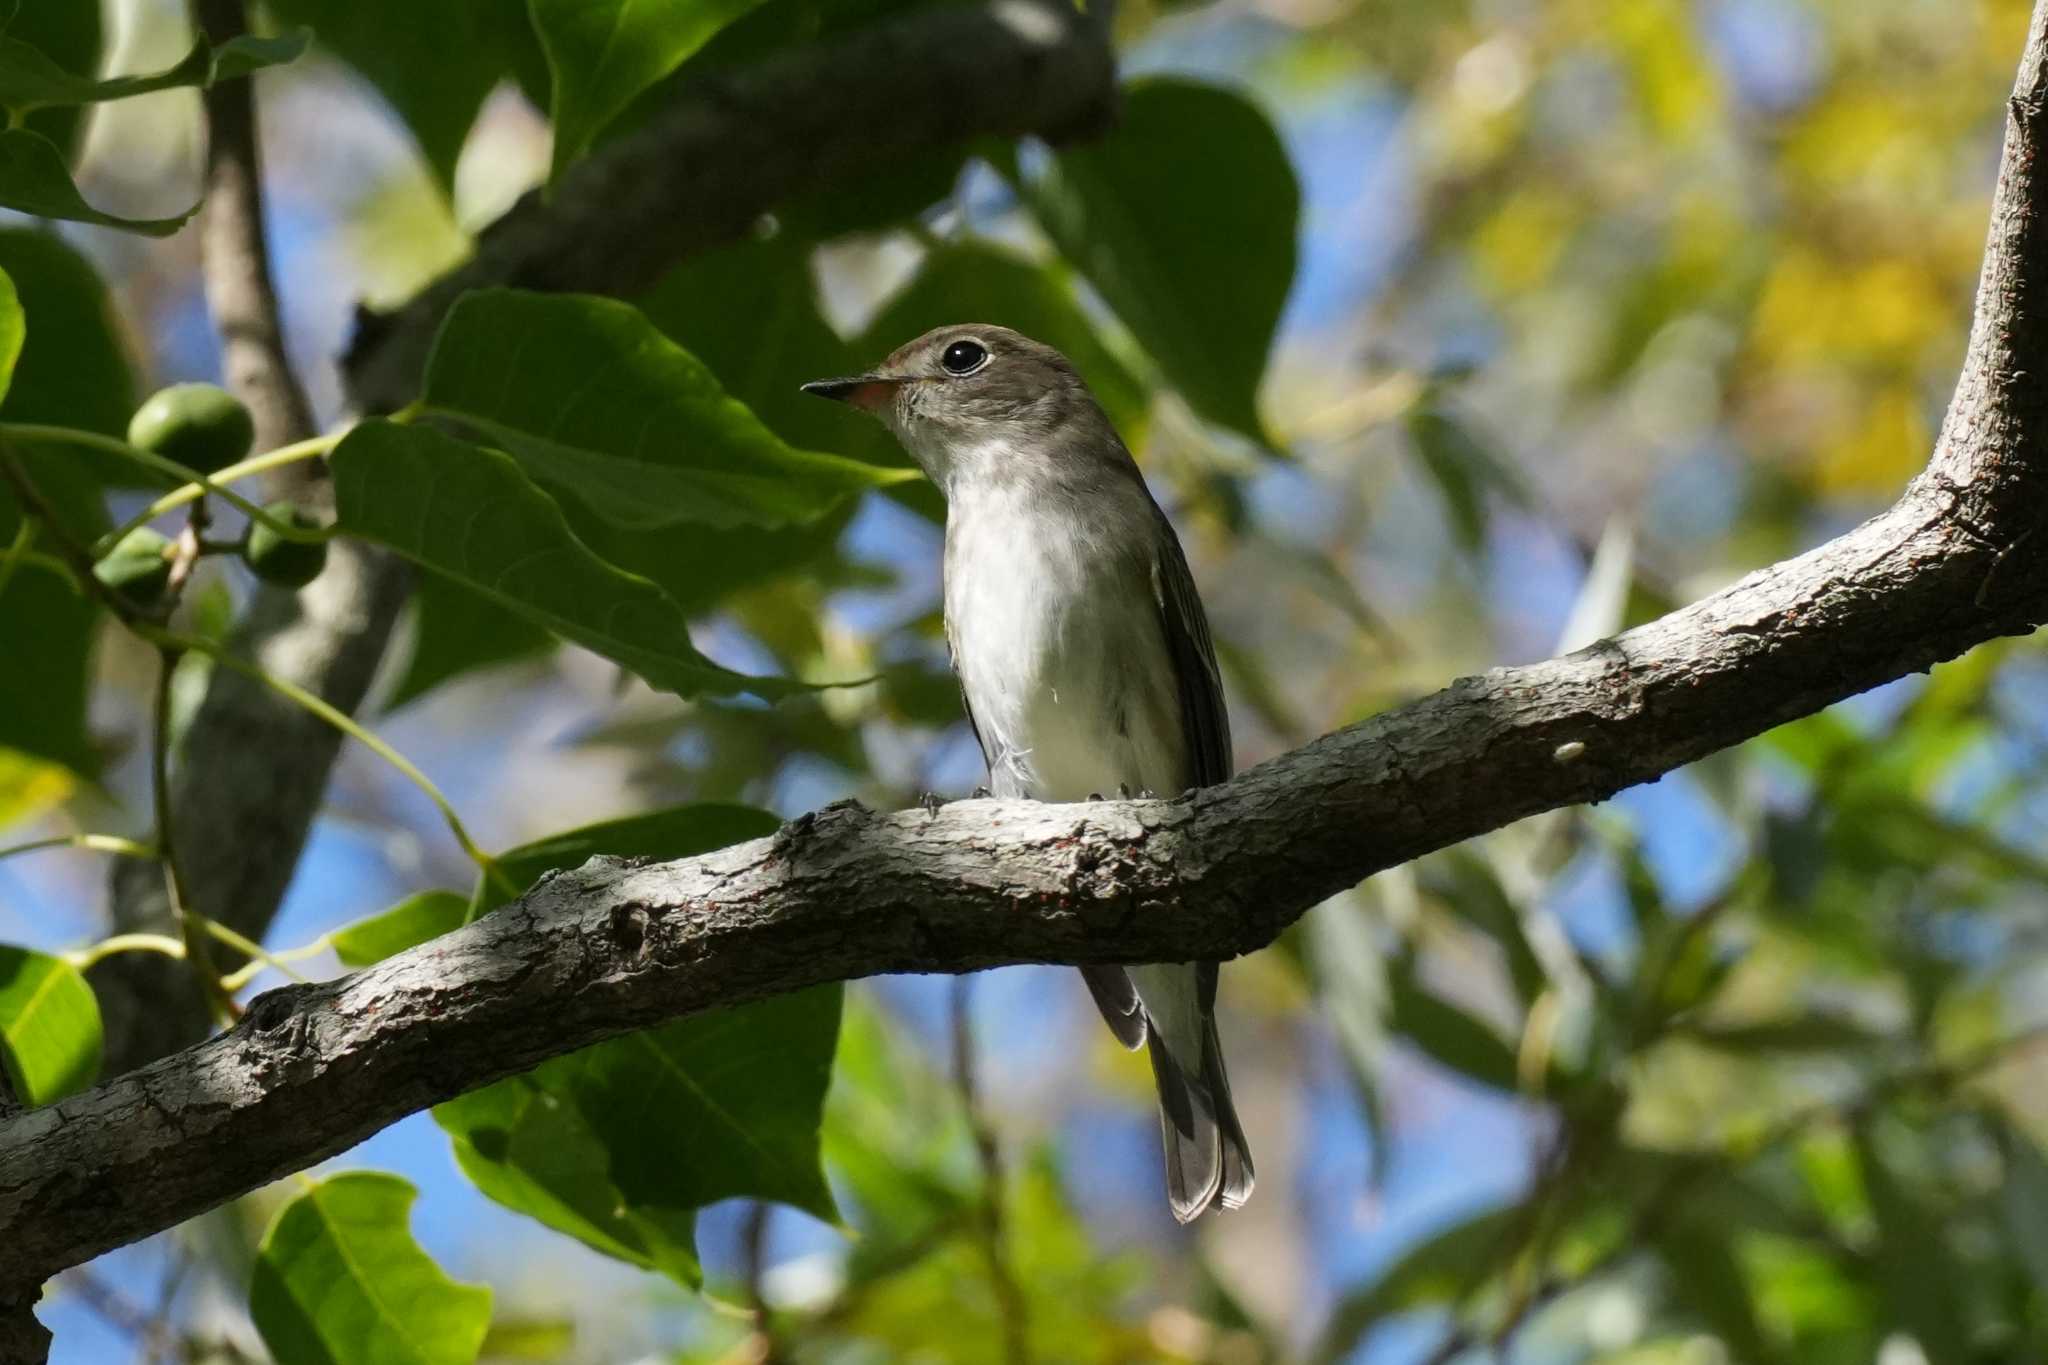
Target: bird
x,y
1083,655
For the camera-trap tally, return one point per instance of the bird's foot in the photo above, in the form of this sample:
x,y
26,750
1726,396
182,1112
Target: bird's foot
x,y
929,803
980,794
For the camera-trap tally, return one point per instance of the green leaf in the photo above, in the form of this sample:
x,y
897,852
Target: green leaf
x,y
602,53
411,922
981,282
1464,471
592,398
1707,1278
49,1025
523,1146
1436,1271
74,369
34,180
435,62
669,833
339,1279
456,631
619,1144
1184,221
13,330
43,691
472,514
70,371
29,79
2024,1209
1914,1258
1450,1035
69,34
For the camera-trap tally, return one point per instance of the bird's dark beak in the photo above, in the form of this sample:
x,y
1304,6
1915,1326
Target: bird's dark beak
x,y
865,391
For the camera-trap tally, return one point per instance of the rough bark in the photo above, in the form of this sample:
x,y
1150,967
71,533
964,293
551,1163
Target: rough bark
x,y
252,768
848,893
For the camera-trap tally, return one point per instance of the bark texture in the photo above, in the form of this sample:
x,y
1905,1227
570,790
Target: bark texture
x,y
253,767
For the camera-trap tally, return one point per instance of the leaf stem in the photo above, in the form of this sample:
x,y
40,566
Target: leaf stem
x,y
24,537
191,924
99,843
165,639
126,943
255,464
206,483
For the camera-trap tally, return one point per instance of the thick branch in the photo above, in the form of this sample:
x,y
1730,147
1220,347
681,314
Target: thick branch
x,y
253,768
848,893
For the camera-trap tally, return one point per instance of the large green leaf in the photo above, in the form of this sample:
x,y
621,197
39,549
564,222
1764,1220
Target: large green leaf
x,y
457,631
592,398
1449,1034
982,282
434,61
70,371
43,690
619,1144
1184,220
602,53
69,34
472,514
414,920
29,79
35,181
74,368
49,1025
521,1145
339,1280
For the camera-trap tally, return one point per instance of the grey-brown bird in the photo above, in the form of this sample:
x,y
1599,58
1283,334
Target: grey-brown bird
x,y
1083,656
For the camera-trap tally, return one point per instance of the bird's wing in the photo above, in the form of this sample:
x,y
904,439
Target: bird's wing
x,y
1204,723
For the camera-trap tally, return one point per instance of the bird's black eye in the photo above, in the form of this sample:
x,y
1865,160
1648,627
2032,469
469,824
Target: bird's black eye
x,y
964,357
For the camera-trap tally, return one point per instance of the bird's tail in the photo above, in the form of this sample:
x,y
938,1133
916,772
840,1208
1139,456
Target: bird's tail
x,y
1207,1159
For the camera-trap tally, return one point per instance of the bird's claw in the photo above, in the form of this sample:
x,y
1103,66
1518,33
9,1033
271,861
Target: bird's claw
x,y
930,802
981,794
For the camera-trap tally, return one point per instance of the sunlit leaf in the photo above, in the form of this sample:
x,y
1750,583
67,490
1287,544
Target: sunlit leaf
x,y
1184,220
12,331
473,514
411,922
594,400
339,1279
601,53
49,1026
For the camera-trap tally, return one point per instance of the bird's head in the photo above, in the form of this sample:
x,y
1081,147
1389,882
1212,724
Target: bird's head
x,y
975,397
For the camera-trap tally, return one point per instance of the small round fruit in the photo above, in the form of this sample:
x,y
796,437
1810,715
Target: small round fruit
x,y
195,424
287,563
138,567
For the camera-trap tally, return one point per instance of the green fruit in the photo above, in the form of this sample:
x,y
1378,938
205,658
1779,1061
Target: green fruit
x,y
194,424
287,563
138,567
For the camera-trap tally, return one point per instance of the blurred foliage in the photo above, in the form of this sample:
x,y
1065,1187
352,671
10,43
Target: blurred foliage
x,y
1449,334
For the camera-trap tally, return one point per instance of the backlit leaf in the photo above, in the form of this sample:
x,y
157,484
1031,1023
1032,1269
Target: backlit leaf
x,y
49,1026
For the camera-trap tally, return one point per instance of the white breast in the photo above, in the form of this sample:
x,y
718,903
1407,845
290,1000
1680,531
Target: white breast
x,y
1059,650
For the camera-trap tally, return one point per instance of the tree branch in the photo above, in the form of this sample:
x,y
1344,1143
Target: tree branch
x,y
253,767
619,945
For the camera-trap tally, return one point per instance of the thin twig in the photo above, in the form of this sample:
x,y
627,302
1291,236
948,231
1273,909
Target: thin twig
x,y
1011,1308
192,926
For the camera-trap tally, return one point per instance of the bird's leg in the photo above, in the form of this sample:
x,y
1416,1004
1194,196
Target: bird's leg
x,y
980,794
930,803
1123,791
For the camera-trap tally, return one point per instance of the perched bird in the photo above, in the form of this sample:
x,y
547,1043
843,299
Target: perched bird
x,y
1083,657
